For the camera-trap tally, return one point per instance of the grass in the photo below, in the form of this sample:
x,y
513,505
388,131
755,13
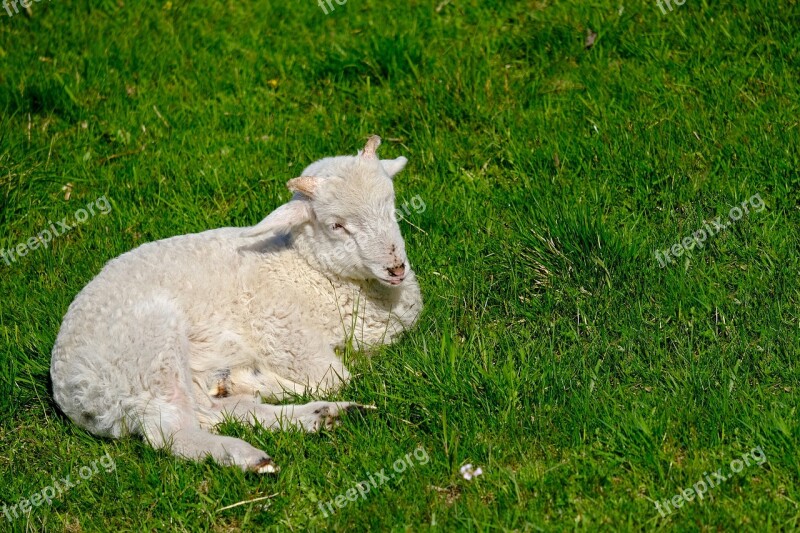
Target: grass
x,y
554,352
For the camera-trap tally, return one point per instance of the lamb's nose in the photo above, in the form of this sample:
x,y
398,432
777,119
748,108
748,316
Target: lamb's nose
x,y
398,271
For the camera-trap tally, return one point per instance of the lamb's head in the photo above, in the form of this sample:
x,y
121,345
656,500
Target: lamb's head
x,y
342,217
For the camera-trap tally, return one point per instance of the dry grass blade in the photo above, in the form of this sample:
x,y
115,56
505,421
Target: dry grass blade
x,y
260,498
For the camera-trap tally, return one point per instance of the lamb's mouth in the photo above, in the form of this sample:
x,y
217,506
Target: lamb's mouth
x,y
393,281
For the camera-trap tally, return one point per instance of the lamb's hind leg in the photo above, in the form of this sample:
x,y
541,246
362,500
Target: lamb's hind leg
x,y
176,428
197,444
164,412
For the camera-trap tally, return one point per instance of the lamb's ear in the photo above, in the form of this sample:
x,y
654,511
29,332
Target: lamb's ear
x,y
305,185
284,218
394,166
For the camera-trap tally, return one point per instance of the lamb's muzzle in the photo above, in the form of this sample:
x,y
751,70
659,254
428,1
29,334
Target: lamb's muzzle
x,y
397,274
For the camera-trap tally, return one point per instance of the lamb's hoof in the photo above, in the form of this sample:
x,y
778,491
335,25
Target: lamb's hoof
x,y
328,414
266,466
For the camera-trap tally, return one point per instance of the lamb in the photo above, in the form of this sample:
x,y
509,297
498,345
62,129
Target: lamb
x,y
176,335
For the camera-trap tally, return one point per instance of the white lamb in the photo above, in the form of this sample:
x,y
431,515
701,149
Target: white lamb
x,y
174,336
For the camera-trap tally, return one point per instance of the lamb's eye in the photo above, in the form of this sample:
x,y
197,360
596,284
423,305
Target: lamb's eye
x,y
337,227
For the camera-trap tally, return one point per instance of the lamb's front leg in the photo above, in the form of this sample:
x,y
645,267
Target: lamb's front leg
x,y
319,373
254,383
308,417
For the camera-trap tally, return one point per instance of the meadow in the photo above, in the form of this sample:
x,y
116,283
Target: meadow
x,y
559,148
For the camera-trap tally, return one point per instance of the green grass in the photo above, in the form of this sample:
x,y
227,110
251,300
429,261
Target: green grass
x,y
554,351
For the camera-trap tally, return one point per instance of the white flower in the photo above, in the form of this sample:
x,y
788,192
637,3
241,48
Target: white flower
x,y
468,472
